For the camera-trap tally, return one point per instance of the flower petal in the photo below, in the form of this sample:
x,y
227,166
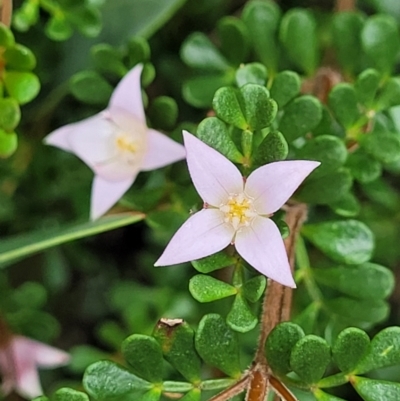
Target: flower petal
x,y
24,373
201,235
261,245
128,94
273,184
161,151
213,175
60,137
91,139
28,383
106,193
47,356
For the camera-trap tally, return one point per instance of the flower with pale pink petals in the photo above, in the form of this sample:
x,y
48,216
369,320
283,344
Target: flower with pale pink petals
x,y
237,211
20,357
117,144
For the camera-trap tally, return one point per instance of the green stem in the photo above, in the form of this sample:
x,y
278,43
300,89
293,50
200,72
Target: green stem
x,y
305,271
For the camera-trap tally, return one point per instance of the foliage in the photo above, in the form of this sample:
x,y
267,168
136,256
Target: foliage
x,y
260,82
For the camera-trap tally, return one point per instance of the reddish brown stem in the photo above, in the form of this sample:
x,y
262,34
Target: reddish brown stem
x,y
278,299
345,5
6,12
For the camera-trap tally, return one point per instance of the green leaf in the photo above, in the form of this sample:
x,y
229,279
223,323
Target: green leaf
x,y
87,19
6,37
84,355
213,262
363,312
322,396
376,390
234,39
241,318
254,288
327,149
346,31
177,343
380,41
299,37
30,295
349,347
227,106
22,86
10,114
152,395
192,395
214,132
69,394
346,206
273,148
383,351
58,28
253,73
199,91
207,289
106,379
262,20
136,17
384,147
347,241
343,102
307,318
367,85
19,57
285,87
26,16
279,344
387,6
107,59
217,344
300,116
175,386
328,125
326,189
389,95
163,112
373,281
310,357
8,145
363,167
90,87
259,109
144,355
138,50
18,247
199,52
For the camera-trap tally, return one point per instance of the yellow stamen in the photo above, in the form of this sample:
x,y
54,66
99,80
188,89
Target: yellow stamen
x,y
238,211
124,143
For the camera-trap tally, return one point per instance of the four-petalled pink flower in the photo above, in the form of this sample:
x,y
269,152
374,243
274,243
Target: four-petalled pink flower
x,y
116,144
237,211
20,358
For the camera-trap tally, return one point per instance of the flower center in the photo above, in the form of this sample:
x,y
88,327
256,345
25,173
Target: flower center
x,y
125,143
238,211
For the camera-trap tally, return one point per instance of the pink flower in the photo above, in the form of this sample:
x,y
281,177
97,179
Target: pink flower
x,y
237,211
117,144
19,360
